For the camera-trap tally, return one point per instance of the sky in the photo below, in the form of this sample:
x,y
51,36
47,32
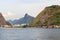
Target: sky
x,y
15,9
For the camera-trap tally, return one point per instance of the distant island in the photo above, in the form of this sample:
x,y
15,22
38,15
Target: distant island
x,y
48,18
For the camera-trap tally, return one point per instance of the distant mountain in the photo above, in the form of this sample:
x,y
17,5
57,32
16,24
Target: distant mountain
x,y
49,16
26,19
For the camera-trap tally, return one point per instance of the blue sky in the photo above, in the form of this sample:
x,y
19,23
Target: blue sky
x,y
15,9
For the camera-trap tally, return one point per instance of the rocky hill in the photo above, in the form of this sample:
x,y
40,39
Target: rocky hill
x,y
24,20
2,20
49,16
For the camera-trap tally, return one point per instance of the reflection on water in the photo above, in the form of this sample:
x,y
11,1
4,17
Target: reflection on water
x,y
29,34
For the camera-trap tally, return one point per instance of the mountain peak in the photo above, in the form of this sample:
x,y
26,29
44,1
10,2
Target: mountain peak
x,y
26,14
54,6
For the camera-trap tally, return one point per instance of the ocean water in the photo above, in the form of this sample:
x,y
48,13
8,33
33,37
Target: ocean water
x,y
29,34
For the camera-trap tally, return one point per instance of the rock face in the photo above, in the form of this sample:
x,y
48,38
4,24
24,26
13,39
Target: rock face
x,y
2,20
24,20
49,16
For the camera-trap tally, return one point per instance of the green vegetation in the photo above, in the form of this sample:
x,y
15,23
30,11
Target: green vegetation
x,y
8,23
24,26
55,19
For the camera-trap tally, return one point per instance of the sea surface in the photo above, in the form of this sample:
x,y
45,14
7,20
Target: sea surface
x,y
29,34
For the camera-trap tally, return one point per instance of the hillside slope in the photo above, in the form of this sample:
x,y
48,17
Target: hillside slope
x,y
2,20
49,16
